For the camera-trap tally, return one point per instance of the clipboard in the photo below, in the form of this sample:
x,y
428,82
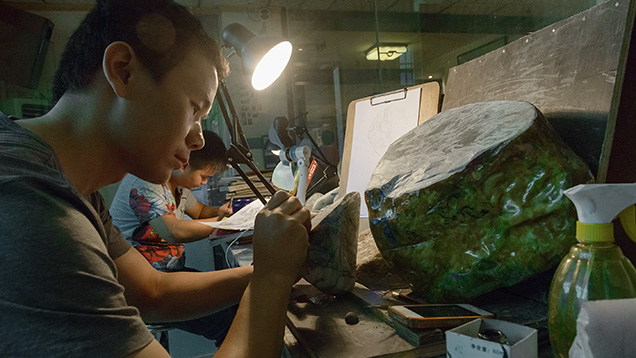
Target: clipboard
x,y
373,123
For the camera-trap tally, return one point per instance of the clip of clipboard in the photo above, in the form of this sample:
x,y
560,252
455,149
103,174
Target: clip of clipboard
x,y
389,97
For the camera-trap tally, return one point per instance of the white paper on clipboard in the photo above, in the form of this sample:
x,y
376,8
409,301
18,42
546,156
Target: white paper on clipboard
x,y
378,122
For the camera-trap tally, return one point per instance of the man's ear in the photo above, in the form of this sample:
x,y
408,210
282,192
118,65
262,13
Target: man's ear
x,y
117,65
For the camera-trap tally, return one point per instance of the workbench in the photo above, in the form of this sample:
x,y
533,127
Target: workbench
x,y
319,329
316,326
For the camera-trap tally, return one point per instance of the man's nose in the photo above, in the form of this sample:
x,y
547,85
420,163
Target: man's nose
x,y
194,139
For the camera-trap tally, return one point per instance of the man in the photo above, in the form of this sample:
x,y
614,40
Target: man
x,y
134,82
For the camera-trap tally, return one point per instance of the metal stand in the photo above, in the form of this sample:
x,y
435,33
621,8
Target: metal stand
x,y
329,171
239,151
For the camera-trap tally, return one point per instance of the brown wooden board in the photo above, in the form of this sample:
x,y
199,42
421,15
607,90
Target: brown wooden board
x,y
567,70
619,152
317,322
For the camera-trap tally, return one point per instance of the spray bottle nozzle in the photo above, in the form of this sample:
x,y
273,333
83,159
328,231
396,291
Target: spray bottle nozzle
x,y
597,205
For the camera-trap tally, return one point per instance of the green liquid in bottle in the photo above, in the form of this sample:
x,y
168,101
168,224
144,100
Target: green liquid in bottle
x,y
590,271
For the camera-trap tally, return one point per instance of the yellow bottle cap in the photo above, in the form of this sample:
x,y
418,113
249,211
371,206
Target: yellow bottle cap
x,y
594,232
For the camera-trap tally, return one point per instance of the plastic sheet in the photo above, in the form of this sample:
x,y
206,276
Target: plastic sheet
x,y
472,200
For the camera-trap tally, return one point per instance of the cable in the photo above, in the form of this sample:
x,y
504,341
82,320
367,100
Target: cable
x,y
227,249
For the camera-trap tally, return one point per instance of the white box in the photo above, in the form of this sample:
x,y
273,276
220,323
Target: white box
x,y
462,341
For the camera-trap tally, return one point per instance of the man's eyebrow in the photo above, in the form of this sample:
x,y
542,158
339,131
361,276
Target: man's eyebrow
x,y
207,103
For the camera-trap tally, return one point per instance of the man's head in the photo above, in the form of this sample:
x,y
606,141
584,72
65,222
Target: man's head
x,y
159,31
204,163
144,74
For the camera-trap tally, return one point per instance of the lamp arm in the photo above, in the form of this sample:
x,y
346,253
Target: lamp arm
x,y
313,142
239,151
235,156
301,130
230,116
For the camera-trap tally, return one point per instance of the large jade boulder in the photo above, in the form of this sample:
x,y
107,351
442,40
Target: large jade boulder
x,y
472,200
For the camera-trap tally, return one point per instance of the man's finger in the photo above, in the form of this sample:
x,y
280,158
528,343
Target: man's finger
x,y
290,206
278,198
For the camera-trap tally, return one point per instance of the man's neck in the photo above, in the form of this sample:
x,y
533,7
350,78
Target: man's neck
x,y
79,143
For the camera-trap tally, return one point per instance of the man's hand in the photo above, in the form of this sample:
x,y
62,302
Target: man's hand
x,y
280,239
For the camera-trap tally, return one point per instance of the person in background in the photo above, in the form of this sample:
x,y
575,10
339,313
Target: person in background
x,y
134,82
151,218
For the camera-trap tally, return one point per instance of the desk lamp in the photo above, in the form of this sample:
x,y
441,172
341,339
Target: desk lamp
x,y
265,58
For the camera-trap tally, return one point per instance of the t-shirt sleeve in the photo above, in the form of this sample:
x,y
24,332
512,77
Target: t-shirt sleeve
x,y
149,201
58,279
117,244
191,200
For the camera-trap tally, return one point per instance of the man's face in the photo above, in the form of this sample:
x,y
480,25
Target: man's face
x,y
193,178
162,122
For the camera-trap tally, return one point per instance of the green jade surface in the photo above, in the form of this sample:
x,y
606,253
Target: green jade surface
x,y
472,200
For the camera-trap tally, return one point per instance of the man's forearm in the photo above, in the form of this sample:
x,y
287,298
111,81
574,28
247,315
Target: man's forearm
x,y
209,212
175,231
187,295
259,325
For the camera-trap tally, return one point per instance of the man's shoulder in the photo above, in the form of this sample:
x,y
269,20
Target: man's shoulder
x,y
24,156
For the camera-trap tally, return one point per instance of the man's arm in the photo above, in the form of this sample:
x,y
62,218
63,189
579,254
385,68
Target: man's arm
x,y
202,211
152,350
280,245
178,296
175,231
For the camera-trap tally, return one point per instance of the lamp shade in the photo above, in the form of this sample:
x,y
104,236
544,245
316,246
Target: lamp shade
x,y
265,57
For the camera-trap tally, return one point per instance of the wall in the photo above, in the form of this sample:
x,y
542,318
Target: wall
x,y
64,24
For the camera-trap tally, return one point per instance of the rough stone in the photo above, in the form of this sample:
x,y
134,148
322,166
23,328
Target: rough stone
x,y
333,242
472,200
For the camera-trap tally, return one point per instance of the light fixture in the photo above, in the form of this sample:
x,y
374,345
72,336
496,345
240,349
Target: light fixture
x,y
385,52
265,57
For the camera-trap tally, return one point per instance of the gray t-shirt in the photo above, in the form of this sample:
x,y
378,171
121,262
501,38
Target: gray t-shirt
x,y
59,294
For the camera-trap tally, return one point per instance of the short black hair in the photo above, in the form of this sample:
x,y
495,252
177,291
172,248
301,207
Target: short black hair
x,y
212,154
159,31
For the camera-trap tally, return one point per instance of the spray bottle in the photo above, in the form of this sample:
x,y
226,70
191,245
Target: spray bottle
x,y
595,268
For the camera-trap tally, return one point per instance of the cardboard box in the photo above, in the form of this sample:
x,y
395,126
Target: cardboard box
x,y
462,341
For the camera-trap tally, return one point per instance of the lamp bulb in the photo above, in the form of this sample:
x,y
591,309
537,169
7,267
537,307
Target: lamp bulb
x,y
271,65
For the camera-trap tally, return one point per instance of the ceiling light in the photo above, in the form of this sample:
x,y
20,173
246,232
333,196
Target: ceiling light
x,y
386,52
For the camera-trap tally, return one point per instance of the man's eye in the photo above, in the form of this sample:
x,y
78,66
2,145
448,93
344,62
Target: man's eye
x,y
196,109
